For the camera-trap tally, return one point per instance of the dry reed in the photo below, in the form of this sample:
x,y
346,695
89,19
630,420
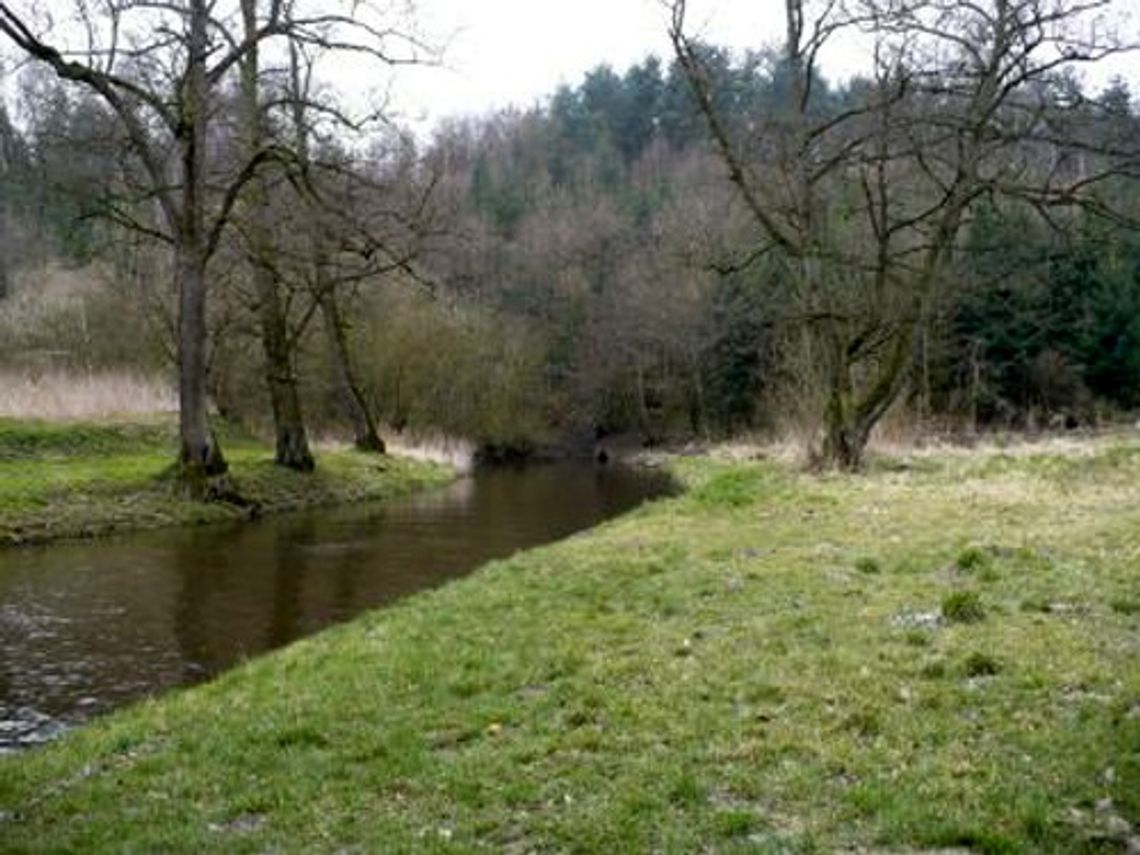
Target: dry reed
x,y
62,395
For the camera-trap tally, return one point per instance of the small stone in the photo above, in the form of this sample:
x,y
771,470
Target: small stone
x,y
1108,776
917,620
1105,806
1117,826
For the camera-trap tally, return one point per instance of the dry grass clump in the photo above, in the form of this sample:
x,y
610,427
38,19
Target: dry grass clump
x,y
61,395
451,451
792,447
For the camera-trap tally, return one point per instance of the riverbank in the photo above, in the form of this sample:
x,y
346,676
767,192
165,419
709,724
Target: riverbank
x,y
941,653
62,480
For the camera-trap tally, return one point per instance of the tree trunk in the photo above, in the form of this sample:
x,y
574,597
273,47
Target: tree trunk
x,y
5,247
351,397
292,443
199,457
697,399
845,441
850,417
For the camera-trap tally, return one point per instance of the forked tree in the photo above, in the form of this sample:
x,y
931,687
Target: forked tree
x,y
864,204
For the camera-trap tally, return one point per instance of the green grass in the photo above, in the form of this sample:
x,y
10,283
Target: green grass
x,y
714,672
65,480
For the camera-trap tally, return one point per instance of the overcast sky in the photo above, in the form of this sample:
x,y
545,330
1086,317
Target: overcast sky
x,y
516,52
503,52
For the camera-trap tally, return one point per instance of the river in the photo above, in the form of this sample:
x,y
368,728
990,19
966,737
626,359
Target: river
x,y
89,627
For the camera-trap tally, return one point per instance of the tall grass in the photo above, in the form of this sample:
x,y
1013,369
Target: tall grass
x,y
57,394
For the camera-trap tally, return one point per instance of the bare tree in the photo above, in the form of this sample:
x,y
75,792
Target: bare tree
x,y
369,216
160,67
865,202
291,440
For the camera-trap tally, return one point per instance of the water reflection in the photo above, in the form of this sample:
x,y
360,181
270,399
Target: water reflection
x,y
85,628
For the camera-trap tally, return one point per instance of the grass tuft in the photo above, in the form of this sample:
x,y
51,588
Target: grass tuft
x,y
963,607
981,665
973,558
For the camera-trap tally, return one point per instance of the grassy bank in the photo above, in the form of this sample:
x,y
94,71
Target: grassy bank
x,y
74,479
944,653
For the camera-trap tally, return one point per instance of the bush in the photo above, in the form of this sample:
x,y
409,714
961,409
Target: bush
x,y
438,367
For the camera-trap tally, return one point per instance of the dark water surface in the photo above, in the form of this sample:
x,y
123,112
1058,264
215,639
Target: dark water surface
x,y
88,627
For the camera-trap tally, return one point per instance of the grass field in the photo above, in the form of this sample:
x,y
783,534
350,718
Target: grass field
x,y
943,653
81,479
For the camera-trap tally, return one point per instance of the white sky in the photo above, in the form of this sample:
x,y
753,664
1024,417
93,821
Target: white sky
x,y
516,52
503,52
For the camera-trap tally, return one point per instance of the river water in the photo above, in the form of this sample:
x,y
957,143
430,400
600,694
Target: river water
x,y
88,627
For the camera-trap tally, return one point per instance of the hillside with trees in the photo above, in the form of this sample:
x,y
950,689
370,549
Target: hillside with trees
x,y
695,246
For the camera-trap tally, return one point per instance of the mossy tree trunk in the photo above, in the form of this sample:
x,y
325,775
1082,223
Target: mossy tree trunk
x,y
350,395
347,387
200,457
852,410
291,438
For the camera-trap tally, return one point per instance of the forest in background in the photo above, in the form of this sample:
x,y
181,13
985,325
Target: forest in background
x,y
587,268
